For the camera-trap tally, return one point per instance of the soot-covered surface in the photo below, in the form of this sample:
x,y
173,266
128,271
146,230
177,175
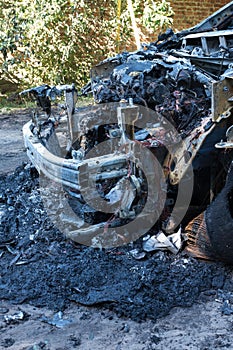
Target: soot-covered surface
x,y
39,265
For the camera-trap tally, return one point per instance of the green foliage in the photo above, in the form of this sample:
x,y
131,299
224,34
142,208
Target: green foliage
x,y
12,28
58,41
157,15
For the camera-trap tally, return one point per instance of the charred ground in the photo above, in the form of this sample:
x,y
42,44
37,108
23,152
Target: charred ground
x,y
41,267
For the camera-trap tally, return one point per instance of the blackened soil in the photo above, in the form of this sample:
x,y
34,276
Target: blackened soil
x,y
40,266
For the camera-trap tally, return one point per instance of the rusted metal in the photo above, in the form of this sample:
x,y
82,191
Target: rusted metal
x,y
222,98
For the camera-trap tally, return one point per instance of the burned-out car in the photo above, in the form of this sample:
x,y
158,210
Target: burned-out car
x,y
154,153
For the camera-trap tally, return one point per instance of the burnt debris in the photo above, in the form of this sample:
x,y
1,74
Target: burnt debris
x,y
171,100
52,271
168,85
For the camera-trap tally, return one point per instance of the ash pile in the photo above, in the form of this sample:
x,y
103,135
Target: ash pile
x,y
41,267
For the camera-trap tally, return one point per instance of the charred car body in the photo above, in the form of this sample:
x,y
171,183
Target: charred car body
x,y
173,98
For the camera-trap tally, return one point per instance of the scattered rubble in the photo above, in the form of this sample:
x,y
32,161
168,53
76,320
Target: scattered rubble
x,y
15,318
173,242
57,320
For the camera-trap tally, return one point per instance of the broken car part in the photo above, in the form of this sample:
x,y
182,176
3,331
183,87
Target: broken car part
x,y
183,81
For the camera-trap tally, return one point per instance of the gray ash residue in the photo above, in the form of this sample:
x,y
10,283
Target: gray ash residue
x,y
40,266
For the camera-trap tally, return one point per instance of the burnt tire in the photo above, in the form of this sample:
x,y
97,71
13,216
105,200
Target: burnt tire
x,y
219,222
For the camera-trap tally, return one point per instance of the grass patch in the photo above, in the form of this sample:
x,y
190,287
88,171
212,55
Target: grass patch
x,y
12,103
85,101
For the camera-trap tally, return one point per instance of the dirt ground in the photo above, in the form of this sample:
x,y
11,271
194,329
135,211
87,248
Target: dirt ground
x,y
34,318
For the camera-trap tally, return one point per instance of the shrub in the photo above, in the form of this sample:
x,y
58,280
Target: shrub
x,y
58,41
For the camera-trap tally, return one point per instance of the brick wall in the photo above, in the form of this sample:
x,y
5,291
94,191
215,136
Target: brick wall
x,y
188,13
